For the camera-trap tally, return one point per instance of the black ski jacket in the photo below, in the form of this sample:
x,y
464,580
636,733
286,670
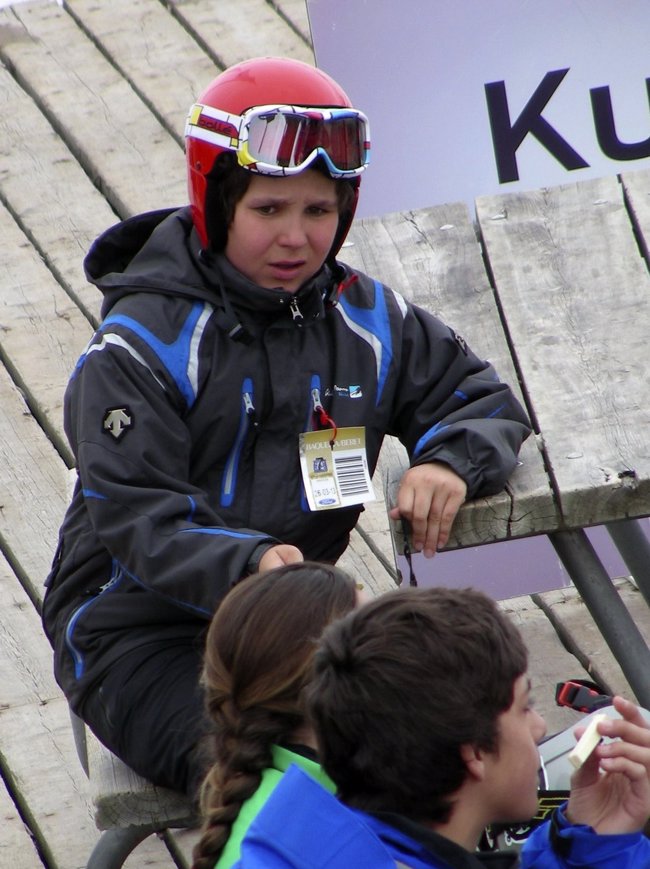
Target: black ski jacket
x,y
184,413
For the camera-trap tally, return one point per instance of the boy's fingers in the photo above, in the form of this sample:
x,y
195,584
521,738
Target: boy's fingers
x,y
429,498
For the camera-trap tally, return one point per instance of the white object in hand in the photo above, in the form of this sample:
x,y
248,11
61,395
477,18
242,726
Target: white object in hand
x,y
587,742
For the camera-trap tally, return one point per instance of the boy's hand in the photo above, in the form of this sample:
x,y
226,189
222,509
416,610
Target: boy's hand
x,y
429,497
611,792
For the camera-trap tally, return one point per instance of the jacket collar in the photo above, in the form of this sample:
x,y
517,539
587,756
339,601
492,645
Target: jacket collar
x,y
432,843
256,304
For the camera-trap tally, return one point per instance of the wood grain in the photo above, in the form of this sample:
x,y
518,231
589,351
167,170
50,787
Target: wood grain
x,y
576,296
122,147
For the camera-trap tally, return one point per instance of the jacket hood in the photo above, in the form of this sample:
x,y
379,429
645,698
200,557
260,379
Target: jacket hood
x,y
160,252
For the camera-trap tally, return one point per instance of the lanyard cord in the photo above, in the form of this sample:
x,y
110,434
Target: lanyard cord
x,y
408,555
324,419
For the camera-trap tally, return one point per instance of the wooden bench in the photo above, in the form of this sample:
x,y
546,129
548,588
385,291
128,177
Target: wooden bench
x,y
128,808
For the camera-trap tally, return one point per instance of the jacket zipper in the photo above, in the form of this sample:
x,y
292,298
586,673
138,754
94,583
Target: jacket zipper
x,y
296,313
317,404
247,418
313,413
324,419
77,656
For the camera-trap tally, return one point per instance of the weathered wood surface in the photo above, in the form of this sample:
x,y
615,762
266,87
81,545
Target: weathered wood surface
x,y
636,187
93,99
575,292
122,798
14,836
42,777
32,489
567,613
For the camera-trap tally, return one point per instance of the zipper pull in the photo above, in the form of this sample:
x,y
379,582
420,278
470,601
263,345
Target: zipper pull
x,y
323,417
315,398
249,408
296,313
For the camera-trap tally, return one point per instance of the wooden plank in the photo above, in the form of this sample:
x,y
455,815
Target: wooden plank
x,y
575,626
549,661
41,334
295,12
129,155
374,521
122,798
237,31
35,737
62,223
36,747
636,186
155,53
153,853
32,485
43,331
576,295
16,845
25,657
23,680
432,257
362,564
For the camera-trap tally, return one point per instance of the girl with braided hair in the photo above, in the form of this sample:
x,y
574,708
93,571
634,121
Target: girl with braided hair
x,y
258,657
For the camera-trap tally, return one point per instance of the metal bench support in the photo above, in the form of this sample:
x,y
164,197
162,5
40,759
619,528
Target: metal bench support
x,y
114,846
607,609
632,542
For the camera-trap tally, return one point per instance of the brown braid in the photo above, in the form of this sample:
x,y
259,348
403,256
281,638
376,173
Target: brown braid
x,y
257,659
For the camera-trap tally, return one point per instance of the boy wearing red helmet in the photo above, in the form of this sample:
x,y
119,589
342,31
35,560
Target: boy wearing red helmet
x,y
231,336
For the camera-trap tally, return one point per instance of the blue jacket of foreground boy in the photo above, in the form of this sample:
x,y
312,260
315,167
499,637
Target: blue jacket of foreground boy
x,y
304,827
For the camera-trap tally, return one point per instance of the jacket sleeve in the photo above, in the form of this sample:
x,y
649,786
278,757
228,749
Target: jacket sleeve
x,y
451,407
136,485
557,844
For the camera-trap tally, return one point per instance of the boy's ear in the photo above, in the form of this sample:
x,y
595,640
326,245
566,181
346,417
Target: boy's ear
x,y
474,761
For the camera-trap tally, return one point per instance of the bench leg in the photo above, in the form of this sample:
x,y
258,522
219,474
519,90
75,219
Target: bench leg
x,y
79,734
633,544
115,845
607,609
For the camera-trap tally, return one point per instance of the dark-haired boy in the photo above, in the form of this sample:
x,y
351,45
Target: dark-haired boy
x,y
422,707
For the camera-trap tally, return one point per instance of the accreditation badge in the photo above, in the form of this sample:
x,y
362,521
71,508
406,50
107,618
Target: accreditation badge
x,y
334,468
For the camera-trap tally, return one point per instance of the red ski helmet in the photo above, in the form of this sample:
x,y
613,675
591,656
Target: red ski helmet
x,y
277,115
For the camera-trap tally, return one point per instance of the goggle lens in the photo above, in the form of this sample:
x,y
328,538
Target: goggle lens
x,y
289,139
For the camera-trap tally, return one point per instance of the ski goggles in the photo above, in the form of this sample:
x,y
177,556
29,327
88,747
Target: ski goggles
x,y
284,140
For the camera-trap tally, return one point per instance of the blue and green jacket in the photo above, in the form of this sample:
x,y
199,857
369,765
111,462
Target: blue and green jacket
x,y
282,759
302,826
